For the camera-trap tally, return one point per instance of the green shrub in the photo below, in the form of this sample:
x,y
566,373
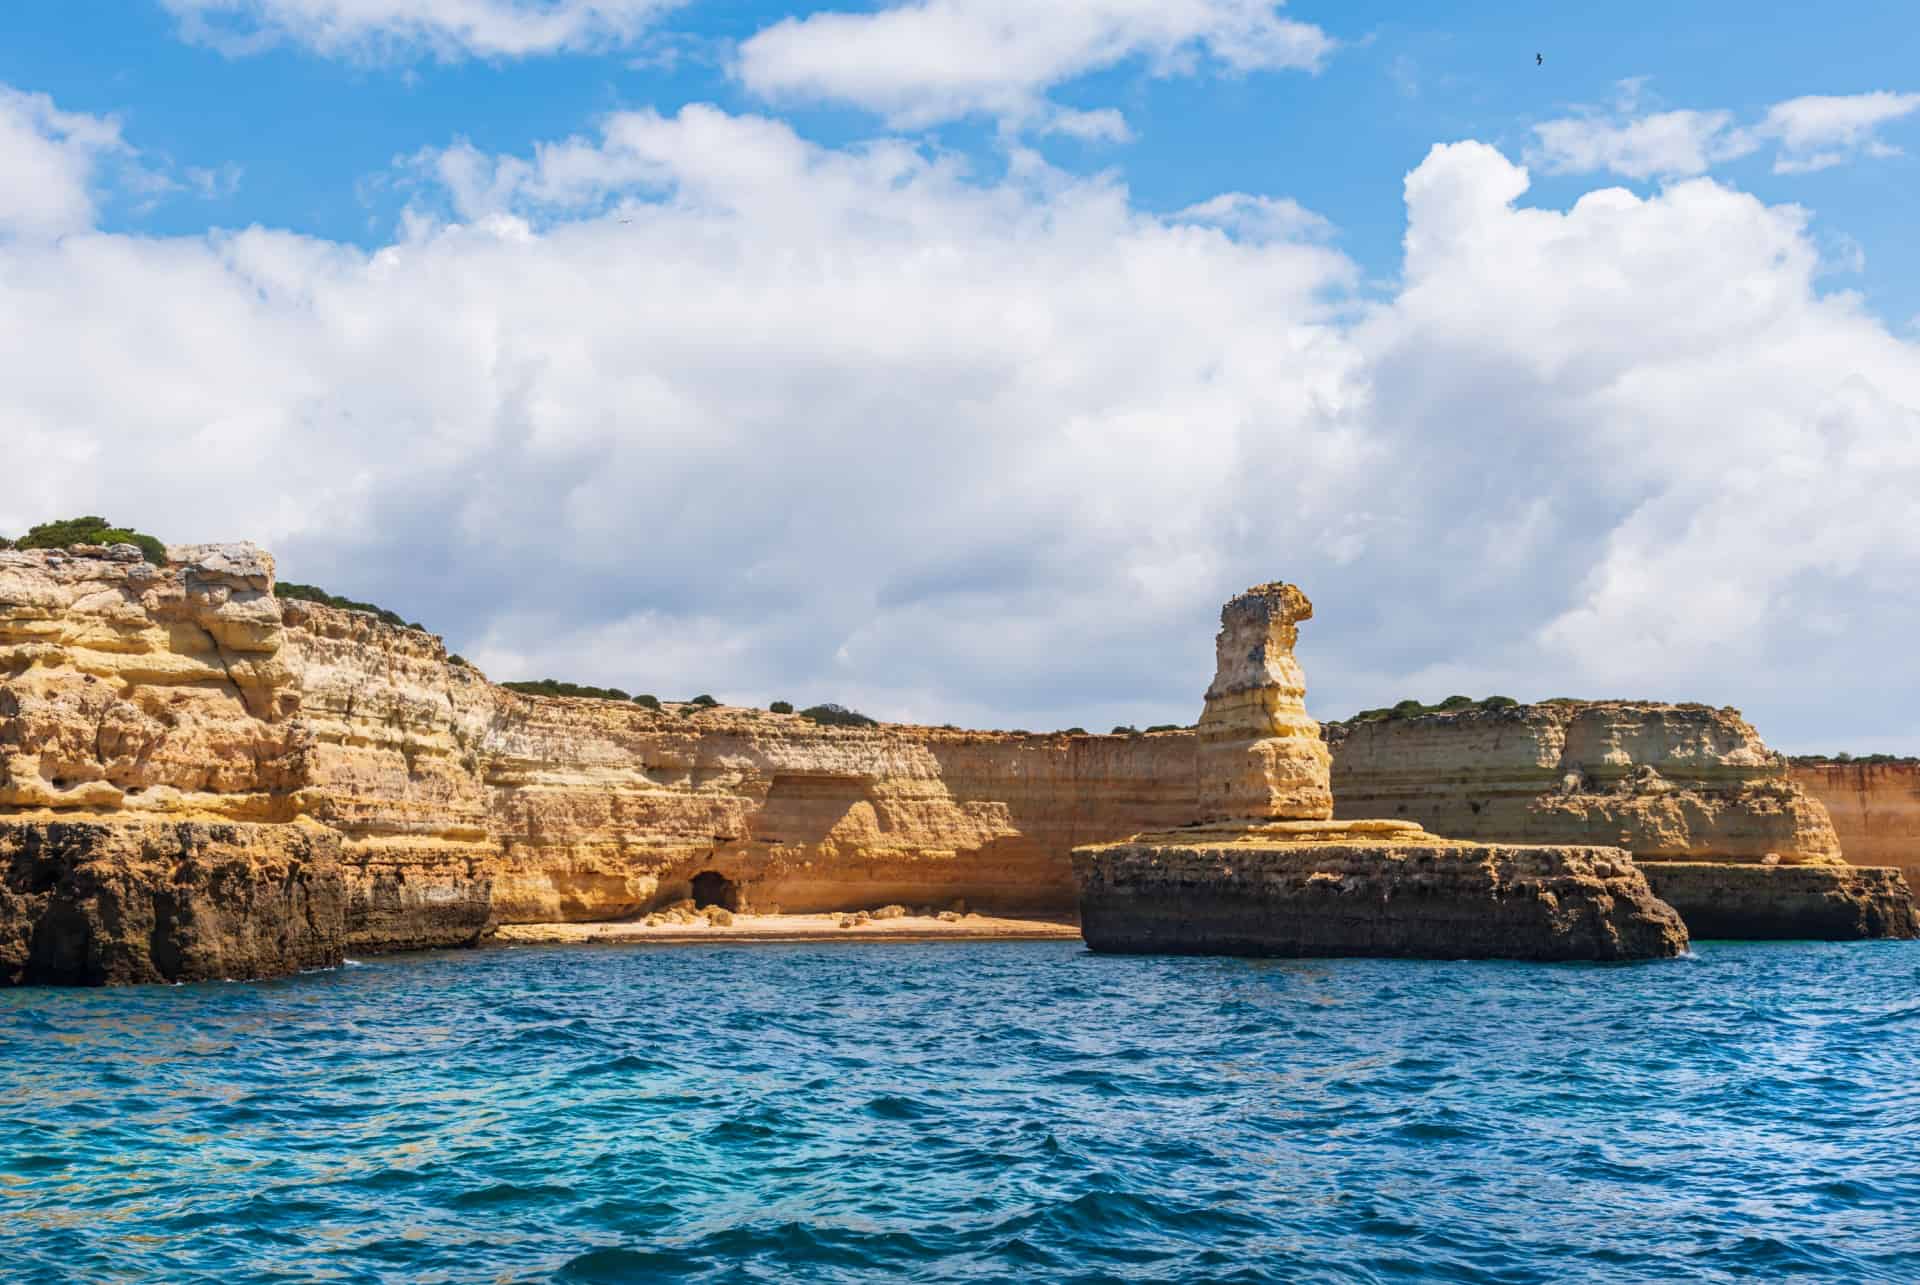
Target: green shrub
x,y
1408,709
781,707
704,700
455,658
1124,730
5,543
314,593
1075,731
92,529
1499,702
554,687
1166,727
1455,702
651,702
837,716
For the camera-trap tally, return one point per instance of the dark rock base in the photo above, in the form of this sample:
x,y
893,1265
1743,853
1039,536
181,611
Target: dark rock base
x,y
101,903
1783,903
1395,899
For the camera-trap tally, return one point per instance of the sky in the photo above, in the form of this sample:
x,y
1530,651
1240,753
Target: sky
x,y
955,359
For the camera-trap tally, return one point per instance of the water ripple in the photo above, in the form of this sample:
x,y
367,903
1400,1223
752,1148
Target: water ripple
x,y
972,1112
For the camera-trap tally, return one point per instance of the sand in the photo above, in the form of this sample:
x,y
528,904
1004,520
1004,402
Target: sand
x,y
790,928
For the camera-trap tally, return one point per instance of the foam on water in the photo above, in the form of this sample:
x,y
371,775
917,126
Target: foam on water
x,y
972,1112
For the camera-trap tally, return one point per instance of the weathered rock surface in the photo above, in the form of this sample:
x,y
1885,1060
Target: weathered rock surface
x,y
1267,870
1761,903
93,903
131,694
1423,899
1259,754
1875,808
1666,782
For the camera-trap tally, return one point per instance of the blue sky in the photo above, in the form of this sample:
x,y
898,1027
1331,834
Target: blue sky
x,y
869,352
314,135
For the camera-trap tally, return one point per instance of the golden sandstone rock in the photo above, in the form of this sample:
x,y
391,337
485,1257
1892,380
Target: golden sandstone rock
x,y
189,695
1259,754
1266,870
1719,822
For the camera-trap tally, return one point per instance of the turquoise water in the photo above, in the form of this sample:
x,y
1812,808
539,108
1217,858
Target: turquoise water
x,y
972,1112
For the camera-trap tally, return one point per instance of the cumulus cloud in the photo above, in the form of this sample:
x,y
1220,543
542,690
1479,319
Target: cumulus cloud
x,y
928,61
1660,145
1819,130
1809,133
49,159
443,28
821,423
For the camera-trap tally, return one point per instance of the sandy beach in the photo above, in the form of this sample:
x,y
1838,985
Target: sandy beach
x,y
820,927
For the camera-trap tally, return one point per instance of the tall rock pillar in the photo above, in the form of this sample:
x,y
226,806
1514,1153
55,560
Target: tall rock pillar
x,y
1260,757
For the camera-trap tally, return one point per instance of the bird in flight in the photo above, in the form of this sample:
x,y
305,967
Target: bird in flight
x,y
1538,60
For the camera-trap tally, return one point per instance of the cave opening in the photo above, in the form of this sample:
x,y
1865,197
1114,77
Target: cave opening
x,y
711,888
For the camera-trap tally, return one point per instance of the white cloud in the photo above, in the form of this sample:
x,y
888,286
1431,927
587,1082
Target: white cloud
x,y
443,28
1810,133
48,163
928,61
1661,145
851,424
1819,130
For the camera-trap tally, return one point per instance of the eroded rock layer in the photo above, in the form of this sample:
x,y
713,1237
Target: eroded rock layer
x,y
1421,899
98,903
1665,782
1266,869
1875,808
133,694
1762,903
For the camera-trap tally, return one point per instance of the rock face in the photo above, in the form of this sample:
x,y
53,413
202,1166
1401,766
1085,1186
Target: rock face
x,y
1428,900
1875,808
1711,814
132,695
90,904
1666,782
1761,903
1266,870
1259,754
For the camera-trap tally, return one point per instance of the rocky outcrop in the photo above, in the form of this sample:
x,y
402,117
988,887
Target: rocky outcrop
x,y
1688,789
132,694
1760,903
1268,870
93,903
1666,782
1409,899
1875,806
1258,753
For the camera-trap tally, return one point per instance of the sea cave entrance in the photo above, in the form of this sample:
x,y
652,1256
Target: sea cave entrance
x,y
711,888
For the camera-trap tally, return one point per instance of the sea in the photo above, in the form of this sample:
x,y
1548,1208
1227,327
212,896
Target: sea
x,y
972,1112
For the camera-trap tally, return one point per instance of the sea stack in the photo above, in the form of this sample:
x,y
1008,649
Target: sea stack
x,y
1266,870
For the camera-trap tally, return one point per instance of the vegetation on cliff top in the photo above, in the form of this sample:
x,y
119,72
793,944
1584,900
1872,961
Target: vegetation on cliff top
x,y
1414,709
1843,758
837,716
555,687
314,593
92,529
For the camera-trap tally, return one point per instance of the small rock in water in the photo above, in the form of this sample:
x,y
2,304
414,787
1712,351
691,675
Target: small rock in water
x,y
719,917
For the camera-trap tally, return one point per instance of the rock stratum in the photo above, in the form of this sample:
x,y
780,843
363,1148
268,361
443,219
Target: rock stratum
x,y
1742,842
1875,807
161,727
190,698
1267,869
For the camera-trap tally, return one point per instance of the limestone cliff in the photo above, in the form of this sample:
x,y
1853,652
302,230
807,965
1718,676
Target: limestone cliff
x,y
1875,808
131,693
1265,868
1666,782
